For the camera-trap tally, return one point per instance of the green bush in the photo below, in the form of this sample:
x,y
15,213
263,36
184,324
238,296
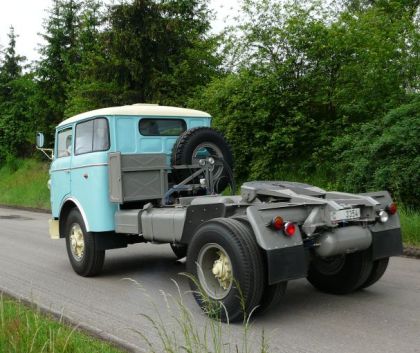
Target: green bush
x,y
381,154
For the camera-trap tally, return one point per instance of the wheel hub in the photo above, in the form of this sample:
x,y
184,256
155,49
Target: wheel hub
x,y
222,270
215,272
77,242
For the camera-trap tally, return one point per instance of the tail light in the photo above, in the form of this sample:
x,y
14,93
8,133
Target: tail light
x,y
290,229
392,208
277,223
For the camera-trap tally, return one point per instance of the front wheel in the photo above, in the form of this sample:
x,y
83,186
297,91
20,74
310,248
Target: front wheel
x,y
341,274
226,269
82,247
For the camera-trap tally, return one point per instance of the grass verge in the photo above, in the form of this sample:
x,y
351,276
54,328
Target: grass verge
x,y
25,330
24,183
185,332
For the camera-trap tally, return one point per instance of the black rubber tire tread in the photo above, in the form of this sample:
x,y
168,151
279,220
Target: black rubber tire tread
x,y
350,277
93,260
237,242
272,294
257,262
180,250
378,269
185,145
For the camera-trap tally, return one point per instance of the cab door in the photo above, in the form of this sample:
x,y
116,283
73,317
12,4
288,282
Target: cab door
x,y
61,169
89,173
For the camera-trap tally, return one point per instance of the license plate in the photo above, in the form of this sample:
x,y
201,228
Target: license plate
x,y
344,215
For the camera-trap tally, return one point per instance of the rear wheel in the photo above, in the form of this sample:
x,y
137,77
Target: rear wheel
x,y
341,274
227,269
272,294
378,269
82,247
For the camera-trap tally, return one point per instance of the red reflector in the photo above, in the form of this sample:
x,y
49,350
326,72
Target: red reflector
x,y
289,229
392,208
277,223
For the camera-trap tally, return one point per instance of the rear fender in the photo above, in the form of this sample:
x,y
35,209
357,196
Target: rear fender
x,y
386,237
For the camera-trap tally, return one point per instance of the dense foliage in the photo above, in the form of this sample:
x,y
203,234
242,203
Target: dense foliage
x,y
305,85
300,91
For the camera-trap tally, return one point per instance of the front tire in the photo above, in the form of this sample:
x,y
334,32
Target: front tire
x,y
340,274
82,247
226,269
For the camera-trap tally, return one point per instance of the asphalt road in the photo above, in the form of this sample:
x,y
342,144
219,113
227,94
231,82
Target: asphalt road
x,y
383,318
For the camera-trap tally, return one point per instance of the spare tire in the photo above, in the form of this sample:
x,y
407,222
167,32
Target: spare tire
x,y
198,143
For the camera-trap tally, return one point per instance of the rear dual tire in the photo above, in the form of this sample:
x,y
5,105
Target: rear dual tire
x,y
346,273
272,293
231,243
226,268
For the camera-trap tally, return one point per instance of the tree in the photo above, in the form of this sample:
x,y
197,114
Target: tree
x,y
16,110
59,57
382,154
149,51
160,50
302,77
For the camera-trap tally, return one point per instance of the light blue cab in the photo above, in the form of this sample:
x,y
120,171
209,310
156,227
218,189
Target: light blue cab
x,y
79,170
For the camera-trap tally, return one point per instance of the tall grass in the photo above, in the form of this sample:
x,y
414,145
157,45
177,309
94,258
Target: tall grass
x,y
410,226
24,183
187,333
26,330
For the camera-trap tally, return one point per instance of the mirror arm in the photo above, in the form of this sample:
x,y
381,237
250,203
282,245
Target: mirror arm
x,y
45,150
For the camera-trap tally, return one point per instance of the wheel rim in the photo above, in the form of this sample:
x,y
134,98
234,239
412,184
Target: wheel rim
x,y
77,242
208,149
331,265
215,272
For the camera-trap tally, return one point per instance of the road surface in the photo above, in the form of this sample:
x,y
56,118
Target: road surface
x,y
383,318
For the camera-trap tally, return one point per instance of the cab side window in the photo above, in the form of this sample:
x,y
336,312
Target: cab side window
x,y
64,143
162,127
92,136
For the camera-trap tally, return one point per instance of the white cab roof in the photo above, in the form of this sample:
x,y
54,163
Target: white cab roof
x,y
138,110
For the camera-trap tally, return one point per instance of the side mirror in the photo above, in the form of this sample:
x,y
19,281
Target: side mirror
x,y
40,139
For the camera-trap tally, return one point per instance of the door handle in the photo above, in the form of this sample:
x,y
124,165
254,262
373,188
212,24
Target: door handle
x,y
85,176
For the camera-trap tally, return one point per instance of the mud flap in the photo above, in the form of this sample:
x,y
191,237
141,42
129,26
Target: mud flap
x,y
286,263
386,243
